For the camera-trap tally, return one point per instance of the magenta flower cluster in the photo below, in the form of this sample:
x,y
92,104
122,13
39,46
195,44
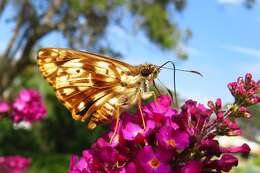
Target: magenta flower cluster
x,y
14,164
244,91
4,107
173,141
27,106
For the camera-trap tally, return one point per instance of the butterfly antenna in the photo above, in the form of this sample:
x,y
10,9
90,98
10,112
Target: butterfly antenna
x,y
174,80
189,71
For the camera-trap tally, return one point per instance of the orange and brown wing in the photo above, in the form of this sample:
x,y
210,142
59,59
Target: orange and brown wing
x,y
83,81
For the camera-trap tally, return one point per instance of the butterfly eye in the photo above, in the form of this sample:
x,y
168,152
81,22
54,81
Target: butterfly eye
x,y
145,72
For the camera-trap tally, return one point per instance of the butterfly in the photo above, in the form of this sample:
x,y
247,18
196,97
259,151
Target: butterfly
x,y
95,88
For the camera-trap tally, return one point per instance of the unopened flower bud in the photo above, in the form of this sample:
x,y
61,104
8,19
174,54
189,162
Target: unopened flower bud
x,y
248,78
211,105
240,81
220,115
254,100
218,103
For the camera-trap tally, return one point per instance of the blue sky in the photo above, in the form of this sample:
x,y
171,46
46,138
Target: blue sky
x,y
225,44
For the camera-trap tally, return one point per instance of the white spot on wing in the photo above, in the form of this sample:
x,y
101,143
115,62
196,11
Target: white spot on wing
x,y
54,53
81,105
102,64
50,67
82,88
68,91
73,63
48,60
63,79
113,101
90,80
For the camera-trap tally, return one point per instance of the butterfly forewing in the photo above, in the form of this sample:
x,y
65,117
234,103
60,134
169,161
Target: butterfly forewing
x,y
89,85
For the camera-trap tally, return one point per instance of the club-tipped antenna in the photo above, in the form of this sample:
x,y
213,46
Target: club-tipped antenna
x,y
189,71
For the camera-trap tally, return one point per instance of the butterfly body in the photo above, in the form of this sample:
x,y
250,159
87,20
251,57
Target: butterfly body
x,y
93,87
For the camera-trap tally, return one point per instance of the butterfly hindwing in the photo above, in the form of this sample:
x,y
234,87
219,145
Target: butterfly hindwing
x,y
83,81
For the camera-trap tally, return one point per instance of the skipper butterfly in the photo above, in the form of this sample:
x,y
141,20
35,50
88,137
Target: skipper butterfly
x,y
95,88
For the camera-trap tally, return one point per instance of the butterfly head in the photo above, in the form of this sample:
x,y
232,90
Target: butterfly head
x,y
149,71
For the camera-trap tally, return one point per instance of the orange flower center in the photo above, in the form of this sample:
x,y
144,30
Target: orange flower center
x,y
171,142
154,163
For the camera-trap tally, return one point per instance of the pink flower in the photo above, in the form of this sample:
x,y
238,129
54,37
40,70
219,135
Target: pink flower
x,y
165,145
245,90
160,109
131,168
210,147
172,139
4,107
193,166
106,153
231,127
245,149
131,131
226,162
14,164
153,162
28,106
83,165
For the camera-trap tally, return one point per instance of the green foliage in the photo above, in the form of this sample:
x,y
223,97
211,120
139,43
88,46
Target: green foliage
x,y
156,21
250,165
255,120
50,141
84,23
256,161
57,163
57,133
100,5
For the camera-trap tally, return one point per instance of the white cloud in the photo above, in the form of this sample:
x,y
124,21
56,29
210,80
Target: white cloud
x,y
244,50
252,66
232,2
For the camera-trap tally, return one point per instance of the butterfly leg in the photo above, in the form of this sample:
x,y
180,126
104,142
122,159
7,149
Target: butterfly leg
x,y
145,95
139,103
117,113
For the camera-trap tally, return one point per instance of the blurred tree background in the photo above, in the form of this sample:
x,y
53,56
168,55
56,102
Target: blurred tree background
x,y
83,24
